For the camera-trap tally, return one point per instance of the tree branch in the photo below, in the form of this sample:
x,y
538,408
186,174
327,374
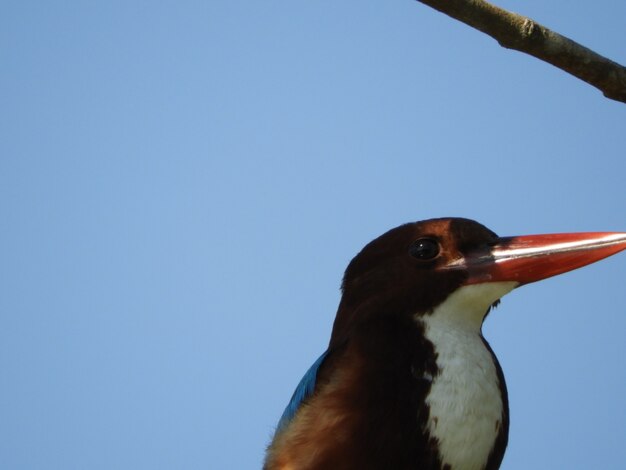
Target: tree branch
x,y
518,32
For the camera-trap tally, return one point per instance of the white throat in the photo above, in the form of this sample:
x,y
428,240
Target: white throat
x,y
465,401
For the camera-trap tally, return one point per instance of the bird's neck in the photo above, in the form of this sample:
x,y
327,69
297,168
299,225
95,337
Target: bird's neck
x,y
422,390
466,308
468,410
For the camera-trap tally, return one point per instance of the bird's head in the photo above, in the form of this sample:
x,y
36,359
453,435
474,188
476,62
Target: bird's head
x,y
415,267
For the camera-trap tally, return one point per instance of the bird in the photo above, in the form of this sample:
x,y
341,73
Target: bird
x,y
408,380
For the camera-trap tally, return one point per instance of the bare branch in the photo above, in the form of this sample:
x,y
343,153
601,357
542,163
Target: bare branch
x,y
518,32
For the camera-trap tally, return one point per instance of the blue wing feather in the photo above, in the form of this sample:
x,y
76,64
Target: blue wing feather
x,y
303,391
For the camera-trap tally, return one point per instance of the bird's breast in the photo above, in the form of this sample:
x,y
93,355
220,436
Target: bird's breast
x,y
465,399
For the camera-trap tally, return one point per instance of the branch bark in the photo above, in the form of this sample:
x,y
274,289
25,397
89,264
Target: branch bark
x,y
518,32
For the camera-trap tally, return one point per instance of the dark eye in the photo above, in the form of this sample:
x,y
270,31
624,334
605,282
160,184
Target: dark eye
x,y
424,249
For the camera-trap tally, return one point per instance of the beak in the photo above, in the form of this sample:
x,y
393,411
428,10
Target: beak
x,y
531,258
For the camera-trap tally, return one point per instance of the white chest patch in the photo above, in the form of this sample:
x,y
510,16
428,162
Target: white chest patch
x,y
465,400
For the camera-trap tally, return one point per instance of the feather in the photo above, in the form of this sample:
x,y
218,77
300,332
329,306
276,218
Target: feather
x,y
303,391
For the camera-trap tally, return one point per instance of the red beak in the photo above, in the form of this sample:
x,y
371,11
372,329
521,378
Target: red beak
x,y
530,258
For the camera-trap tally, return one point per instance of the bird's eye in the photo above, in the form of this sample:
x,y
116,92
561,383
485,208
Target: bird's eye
x,y
424,249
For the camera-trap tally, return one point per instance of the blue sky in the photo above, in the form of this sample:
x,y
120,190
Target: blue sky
x,y
183,183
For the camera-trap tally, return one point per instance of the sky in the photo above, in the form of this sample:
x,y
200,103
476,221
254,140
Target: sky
x,y
183,183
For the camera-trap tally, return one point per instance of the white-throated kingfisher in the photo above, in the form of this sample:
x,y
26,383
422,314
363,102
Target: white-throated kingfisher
x,y
407,380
